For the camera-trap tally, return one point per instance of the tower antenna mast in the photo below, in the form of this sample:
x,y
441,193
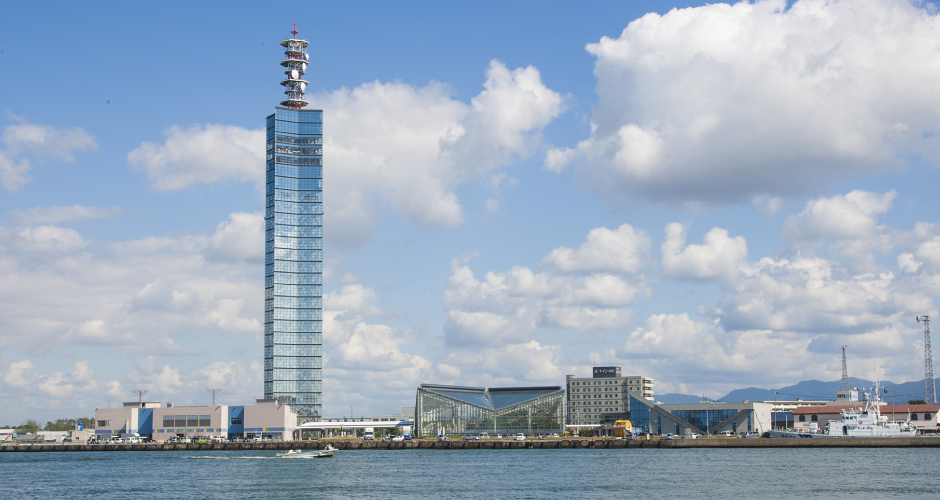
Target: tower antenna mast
x,y
214,392
140,395
845,372
931,388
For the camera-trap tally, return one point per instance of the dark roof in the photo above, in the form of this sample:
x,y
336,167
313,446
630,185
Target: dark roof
x,y
494,398
835,409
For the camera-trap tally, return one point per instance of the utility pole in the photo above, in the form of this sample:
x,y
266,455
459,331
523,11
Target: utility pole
x,y
214,392
845,372
931,388
140,395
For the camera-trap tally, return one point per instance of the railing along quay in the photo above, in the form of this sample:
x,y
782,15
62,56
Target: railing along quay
x,y
497,444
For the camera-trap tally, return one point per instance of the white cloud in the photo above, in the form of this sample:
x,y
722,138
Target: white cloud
x,y
624,250
853,215
722,103
387,144
509,307
718,257
23,141
60,289
56,215
201,154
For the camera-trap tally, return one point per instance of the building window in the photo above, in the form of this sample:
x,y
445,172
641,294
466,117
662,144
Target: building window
x,y
204,420
802,418
926,416
168,421
913,416
104,423
815,418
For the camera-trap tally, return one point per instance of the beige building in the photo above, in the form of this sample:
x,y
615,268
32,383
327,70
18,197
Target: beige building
x,y
266,418
603,398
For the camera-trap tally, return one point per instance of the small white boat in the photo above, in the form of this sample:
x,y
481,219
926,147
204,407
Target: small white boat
x,y
327,452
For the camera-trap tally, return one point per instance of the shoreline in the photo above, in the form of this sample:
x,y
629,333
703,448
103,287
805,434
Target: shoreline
x,y
495,444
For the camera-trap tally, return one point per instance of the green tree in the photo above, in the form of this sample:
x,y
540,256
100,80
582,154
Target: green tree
x,y
916,402
30,426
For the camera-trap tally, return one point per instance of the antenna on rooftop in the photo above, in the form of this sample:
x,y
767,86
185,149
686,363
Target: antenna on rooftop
x,y
295,60
931,395
845,372
140,395
214,392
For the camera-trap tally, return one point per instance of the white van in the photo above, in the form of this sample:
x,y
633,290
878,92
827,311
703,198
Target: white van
x,y
519,437
369,434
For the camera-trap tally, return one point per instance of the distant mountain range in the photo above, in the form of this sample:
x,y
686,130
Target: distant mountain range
x,y
808,390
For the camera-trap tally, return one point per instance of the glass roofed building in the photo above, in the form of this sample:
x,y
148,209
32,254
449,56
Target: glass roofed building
x,y
448,409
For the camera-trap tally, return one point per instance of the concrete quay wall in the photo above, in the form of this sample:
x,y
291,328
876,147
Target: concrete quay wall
x,y
915,442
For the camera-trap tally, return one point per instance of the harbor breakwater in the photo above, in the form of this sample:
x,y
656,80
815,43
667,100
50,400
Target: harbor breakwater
x,y
496,444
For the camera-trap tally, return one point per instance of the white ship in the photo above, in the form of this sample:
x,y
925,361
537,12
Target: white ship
x,y
859,422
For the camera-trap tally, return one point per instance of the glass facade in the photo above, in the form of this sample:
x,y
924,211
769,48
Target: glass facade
x,y
460,410
293,279
698,418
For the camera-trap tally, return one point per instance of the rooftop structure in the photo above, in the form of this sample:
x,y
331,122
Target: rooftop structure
x,y
449,409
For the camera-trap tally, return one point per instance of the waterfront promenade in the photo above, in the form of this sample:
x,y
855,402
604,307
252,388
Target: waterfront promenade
x,y
497,444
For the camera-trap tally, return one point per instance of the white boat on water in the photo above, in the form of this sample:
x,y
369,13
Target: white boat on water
x,y
859,422
327,452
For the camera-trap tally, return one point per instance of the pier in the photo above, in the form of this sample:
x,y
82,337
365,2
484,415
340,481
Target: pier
x,y
495,444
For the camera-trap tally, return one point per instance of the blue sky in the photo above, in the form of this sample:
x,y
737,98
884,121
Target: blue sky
x,y
716,196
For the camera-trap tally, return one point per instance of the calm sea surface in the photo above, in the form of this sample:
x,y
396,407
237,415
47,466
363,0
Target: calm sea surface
x,y
577,473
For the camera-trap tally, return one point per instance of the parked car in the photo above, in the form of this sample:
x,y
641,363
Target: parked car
x,y
499,436
752,435
441,437
695,436
484,435
669,436
726,433
398,439
519,437
407,437
469,437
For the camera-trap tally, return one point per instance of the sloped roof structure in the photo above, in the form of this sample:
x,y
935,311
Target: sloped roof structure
x,y
493,398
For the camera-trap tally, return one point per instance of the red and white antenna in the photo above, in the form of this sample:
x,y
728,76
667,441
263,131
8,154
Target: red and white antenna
x,y
295,60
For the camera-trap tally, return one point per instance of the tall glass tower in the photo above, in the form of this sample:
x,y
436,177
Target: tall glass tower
x,y
293,261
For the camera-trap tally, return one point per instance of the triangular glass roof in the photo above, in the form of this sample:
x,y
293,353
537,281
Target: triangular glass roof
x,y
474,396
494,398
503,398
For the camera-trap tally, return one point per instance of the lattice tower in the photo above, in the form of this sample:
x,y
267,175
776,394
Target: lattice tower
x,y
140,395
931,388
214,392
845,372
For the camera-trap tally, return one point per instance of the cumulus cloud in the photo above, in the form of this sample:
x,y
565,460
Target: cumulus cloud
x,y
725,102
57,215
25,141
387,144
201,154
718,257
623,250
588,289
61,289
853,215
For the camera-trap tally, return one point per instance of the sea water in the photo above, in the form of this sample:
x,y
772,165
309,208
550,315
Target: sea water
x,y
477,474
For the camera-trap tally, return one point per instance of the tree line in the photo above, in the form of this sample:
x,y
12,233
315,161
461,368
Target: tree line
x,y
31,426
